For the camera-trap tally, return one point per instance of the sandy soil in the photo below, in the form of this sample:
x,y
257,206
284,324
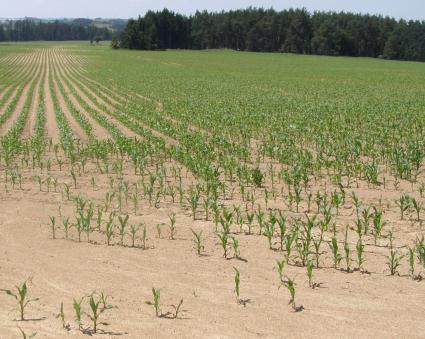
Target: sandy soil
x,y
346,305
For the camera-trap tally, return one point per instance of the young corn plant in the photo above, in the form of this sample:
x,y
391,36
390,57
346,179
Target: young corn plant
x,y
347,251
236,251
420,249
394,258
403,203
290,285
250,220
269,229
360,254
336,200
21,296
411,261
144,236
280,265
123,220
289,240
378,225
239,300
77,305
356,202
224,240
109,229
198,242
335,251
135,200
297,196
74,178
172,226
53,226
156,294
97,308
281,221
193,202
67,191
237,285
66,226
260,219
310,274
366,214
79,226
134,230
61,316
417,205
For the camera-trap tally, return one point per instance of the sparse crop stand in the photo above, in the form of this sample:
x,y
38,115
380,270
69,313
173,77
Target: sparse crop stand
x,y
138,179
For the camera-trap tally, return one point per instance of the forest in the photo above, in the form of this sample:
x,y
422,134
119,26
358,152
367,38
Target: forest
x,y
268,30
36,30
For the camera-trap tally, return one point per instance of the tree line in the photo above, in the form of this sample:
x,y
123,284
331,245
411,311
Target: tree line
x,y
31,30
268,30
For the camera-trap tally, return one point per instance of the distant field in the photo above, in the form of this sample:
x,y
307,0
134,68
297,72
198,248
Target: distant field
x,y
121,171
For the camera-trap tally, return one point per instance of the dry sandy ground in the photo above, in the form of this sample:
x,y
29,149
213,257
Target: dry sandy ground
x,y
346,305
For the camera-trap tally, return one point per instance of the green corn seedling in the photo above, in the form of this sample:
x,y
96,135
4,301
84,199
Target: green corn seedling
x,y
411,262
360,254
250,220
289,240
310,273
394,258
335,251
66,226
418,207
282,229
144,236
198,242
290,285
123,220
237,285
235,245
172,226
269,228
53,226
347,250
280,265
109,229
403,203
224,238
77,305
21,296
156,294
378,224
96,310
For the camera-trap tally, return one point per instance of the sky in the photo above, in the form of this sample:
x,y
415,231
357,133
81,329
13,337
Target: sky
x,y
407,9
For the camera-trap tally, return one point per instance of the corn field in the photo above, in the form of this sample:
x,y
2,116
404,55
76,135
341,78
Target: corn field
x,y
133,181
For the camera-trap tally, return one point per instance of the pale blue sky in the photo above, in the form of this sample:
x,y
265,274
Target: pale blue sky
x,y
408,9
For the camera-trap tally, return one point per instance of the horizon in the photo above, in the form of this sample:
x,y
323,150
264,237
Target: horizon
x,y
127,9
